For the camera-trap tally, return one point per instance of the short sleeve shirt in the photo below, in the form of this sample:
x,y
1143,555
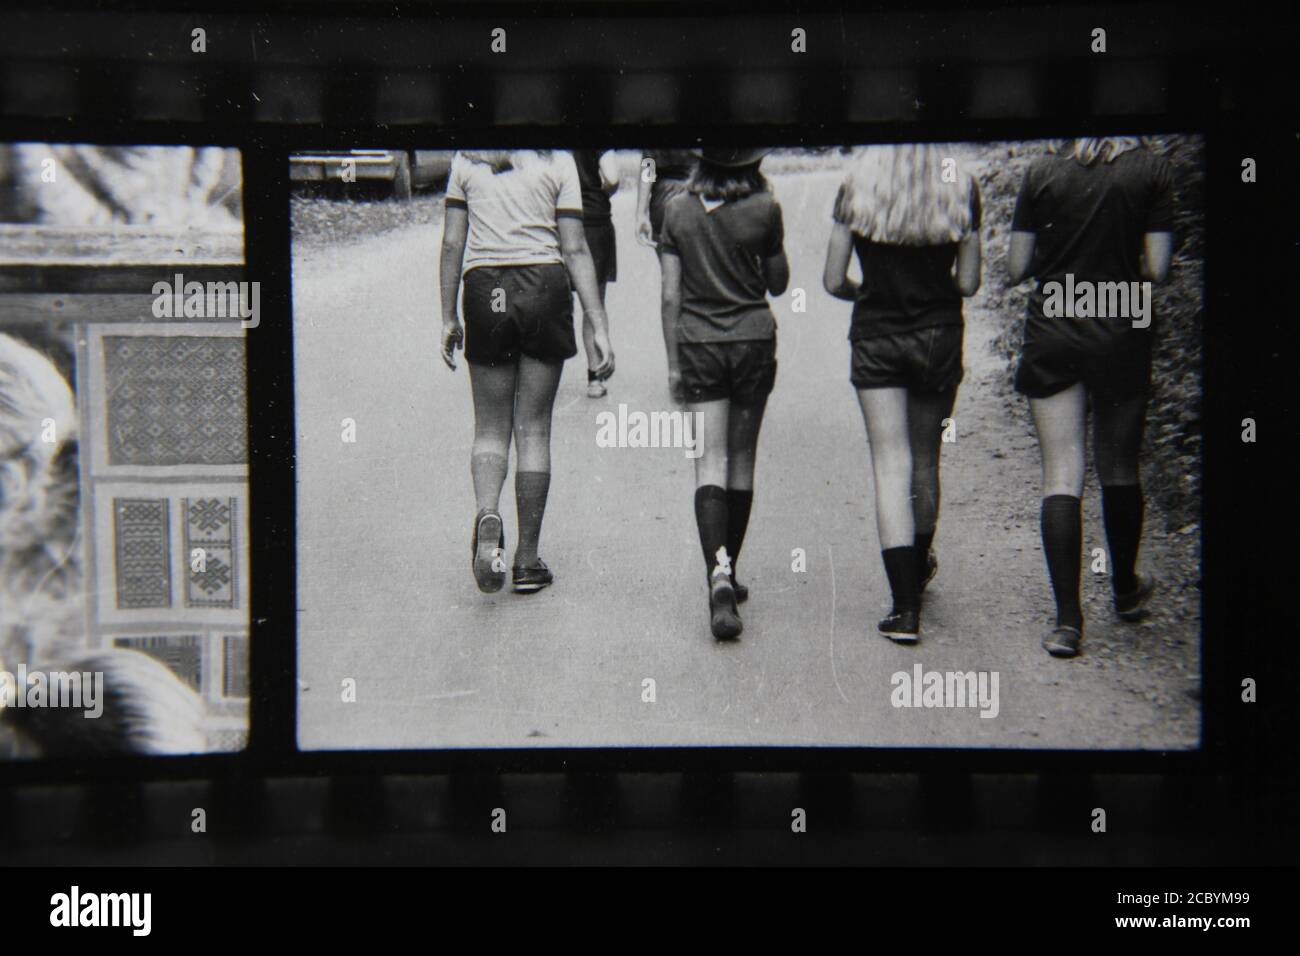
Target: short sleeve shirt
x,y
514,215
1089,221
724,291
905,288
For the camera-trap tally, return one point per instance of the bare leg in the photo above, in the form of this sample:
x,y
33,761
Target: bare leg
x,y
493,389
885,412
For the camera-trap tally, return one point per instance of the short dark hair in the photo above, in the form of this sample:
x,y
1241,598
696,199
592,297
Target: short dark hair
x,y
727,183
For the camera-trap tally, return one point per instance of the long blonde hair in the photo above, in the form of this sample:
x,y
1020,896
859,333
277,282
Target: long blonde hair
x,y
1087,150
913,194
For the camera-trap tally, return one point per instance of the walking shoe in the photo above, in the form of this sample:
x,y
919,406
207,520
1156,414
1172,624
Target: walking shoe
x,y
489,565
596,388
528,580
1063,641
724,619
902,627
1132,607
742,592
930,570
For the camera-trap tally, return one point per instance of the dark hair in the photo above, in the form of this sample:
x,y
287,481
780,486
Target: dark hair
x,y
499,160
727,183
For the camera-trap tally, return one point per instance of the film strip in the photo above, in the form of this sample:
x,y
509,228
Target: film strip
x,y
275,83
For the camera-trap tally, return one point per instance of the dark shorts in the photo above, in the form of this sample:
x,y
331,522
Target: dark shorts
x,y
923,360
533,314
1113,364
604,251
743,372
662,191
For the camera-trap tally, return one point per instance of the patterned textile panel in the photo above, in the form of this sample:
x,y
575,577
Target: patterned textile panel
x,y
143,552
175,400
210,548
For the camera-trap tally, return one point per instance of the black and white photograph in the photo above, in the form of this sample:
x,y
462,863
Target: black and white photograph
x,y
880,445
124,573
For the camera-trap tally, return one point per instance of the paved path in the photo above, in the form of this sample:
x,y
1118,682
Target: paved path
x,y
387,597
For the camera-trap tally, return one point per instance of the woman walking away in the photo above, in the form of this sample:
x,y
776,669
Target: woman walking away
x,y
664,175
598,176
722,253
514,226
913,218
1097,211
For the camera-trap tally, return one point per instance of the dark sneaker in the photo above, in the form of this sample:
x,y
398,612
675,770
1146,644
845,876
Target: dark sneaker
x,y
930,569
489,552
1063,641
1132,607
902,627
724,619
528,580
742,592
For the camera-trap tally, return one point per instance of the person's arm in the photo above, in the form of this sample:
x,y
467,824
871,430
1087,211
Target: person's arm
x,y
968,264
1157,250
835,277
671,309
776,273
775,265
644,183
1020,257
609,174
455,227
582,272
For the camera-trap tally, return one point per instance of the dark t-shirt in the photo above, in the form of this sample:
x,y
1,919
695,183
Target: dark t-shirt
x,y
724,293
905,287
595,201
1089,220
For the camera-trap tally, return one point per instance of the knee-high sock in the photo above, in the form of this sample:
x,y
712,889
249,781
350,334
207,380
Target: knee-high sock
x,y
531,488
1122,509
711,518
488,471
1062,524
923,543
904,580
739,503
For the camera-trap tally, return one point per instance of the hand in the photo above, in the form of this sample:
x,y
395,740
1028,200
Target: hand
x,y
453,338
645,232
675,387
604,367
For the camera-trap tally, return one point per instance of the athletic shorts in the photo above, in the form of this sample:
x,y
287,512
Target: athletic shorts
x,y
604,252
922,360
743,372
533,314
662,191
1113,363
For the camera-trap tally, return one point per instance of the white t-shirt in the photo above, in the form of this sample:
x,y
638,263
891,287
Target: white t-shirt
x,y
514,215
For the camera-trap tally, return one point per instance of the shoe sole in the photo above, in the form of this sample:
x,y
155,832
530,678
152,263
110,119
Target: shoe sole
x,y
725,625
901,637
488,580
530,588
726,630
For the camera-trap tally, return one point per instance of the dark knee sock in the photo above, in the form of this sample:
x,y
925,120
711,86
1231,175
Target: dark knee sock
x,y
531,489
488,471
904,581
923,543
1122,508
711,518
1062,524
739,503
